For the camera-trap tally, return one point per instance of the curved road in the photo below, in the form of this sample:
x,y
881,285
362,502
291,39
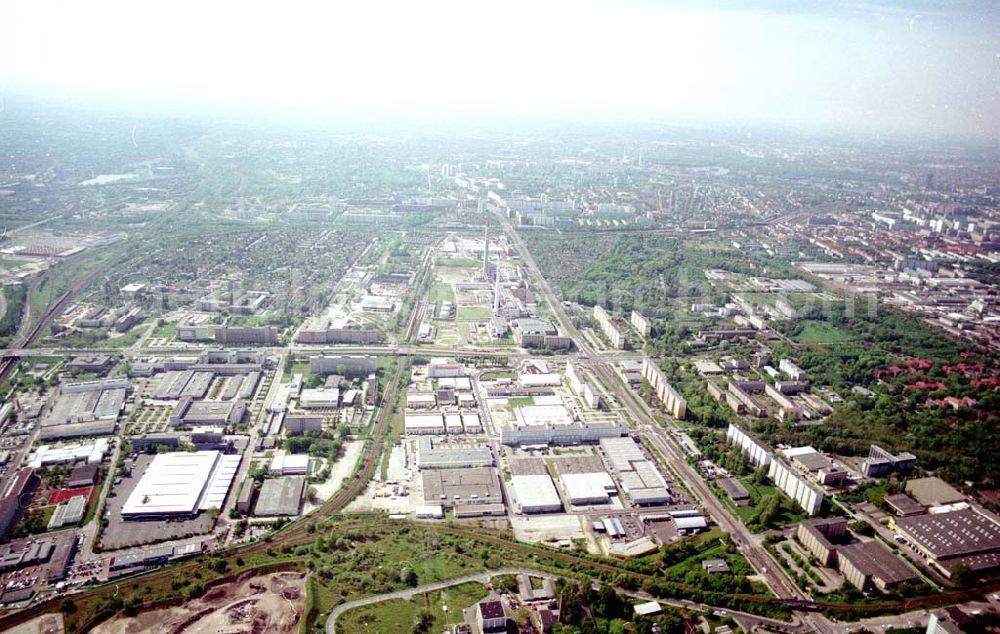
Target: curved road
x,y
482,577
485,576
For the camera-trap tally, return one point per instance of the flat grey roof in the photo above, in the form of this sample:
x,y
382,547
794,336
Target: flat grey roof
x,y
933,491
734,488
579,464
945,535
904,504
461,486
813,461
280,497
527,466
872,558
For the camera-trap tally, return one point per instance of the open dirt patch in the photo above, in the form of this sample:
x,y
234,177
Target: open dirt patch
x,y
255,605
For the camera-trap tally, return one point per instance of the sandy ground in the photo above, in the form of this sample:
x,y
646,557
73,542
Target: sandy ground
x,y
45,624
338,472
552,528
450,275
381,496
271,603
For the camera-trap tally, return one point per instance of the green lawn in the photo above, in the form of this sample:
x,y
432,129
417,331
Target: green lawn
x,y
121,341
40,360
498,374
473,313
301,366
400,616
521,401
441,293
759,491
459,263
167,331
821,332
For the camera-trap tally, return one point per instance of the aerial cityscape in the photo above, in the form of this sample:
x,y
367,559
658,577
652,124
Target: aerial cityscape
x,y
574,374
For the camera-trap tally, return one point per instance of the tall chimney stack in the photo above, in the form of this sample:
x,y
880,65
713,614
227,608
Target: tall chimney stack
x,y
486,252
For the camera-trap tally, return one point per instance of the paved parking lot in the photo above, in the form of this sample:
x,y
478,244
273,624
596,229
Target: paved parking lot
x,y
122,534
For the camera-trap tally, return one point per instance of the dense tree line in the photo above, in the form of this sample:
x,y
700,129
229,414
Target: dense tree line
x,y
14,296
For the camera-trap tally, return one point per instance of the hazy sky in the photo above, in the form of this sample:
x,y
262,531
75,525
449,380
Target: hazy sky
x,y
906,66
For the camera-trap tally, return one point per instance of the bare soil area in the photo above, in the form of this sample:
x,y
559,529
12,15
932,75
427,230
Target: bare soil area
x,y
255,605
45,624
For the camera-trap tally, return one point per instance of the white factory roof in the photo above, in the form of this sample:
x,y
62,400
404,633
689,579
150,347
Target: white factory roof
x,y
798,451
471,419
219,483
530,415
208,429
455,382
587,486
433,511
687,523
421,398
92,452
69,512
320,395
177,483
550,399
535,492
621,452
290,462
423,421
540,380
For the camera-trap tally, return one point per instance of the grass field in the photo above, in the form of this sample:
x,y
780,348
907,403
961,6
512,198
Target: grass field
x,y
820,332
166,331
400,616
458,263
300,366
353,557
441,293
473,313
521,401
122,341
493,376
760,491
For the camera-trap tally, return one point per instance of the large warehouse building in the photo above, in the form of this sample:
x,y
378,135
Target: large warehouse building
x,y
431,455
640,478
553,425
181,484
532,487
459,487
950,540
584,480
281,497
189,412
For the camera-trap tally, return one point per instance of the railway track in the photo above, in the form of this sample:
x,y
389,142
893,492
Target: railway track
x,y
578,565
24,339
295,534
305,529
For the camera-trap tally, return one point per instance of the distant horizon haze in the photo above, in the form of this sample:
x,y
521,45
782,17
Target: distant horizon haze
x,y
922,69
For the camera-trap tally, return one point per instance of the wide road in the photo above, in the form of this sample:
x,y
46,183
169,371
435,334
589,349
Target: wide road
x,y
759,558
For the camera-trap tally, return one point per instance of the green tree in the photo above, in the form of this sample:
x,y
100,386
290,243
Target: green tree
x,y
408,576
